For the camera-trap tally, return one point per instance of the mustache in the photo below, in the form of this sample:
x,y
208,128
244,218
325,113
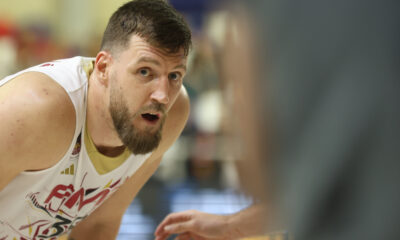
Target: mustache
x,y
158,107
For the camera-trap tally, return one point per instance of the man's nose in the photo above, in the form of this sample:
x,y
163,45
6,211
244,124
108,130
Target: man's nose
x,y
160,92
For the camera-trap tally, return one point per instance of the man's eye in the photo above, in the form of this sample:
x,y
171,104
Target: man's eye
x,y
144,72
174,76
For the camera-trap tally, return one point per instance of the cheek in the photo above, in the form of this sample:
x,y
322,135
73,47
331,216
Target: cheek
x,y
172,97
135,102
123,100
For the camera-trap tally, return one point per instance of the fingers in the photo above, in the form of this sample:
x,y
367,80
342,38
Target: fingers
x,y
161,237
190,236
173,218
184,236
181,227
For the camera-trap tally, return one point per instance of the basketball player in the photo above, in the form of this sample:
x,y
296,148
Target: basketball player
x,y
79,137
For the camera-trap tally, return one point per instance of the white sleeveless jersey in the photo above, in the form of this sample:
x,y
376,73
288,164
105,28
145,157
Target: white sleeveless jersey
x,y
48,203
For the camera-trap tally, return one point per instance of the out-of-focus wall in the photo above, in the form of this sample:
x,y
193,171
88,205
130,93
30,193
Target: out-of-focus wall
x,y
32,32
71,21
25,10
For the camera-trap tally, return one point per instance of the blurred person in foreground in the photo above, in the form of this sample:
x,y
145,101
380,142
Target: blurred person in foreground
x,y
239,83
79,137
328,84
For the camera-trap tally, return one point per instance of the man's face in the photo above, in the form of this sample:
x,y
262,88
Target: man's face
x,y
144,83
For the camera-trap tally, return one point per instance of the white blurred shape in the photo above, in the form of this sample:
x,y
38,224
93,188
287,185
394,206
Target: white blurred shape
x,y
8,56
208,111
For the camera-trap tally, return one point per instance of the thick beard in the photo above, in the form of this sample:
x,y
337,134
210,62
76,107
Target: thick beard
x,y
138,142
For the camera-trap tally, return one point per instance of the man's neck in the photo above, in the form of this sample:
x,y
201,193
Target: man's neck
x,y
99,123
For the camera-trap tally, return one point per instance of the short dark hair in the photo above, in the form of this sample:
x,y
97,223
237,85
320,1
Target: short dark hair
x,y
154,20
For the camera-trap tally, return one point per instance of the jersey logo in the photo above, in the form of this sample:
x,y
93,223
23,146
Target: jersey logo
x,y
69,170
66,205
47,65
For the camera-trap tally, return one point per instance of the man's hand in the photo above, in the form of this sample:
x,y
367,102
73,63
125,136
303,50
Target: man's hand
x,y
195,225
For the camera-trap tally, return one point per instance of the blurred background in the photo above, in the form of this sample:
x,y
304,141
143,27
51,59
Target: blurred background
x,y
322,77
199,171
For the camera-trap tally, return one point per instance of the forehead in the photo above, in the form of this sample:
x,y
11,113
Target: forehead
x,y
140,48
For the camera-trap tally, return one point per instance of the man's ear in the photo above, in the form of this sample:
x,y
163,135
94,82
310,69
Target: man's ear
x,y
102,67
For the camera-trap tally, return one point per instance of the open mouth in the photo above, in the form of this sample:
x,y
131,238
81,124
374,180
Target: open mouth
x,y
151,117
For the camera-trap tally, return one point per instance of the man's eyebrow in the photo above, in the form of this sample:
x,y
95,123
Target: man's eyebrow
x,y
181,66
154,61
148,60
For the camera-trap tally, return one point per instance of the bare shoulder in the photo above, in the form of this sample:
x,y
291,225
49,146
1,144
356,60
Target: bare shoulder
x,y
38,121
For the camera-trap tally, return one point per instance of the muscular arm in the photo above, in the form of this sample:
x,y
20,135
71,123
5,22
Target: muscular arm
x,y
37,124
104,222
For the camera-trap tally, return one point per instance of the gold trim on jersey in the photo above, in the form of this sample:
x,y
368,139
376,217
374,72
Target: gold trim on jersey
x,y
103,164
88,66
